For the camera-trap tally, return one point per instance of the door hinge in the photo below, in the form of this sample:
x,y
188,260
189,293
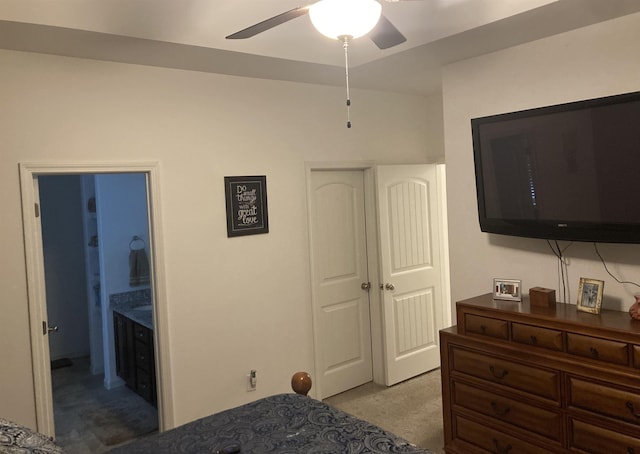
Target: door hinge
x,y
37,208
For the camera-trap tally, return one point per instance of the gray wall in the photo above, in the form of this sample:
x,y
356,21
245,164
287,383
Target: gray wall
x,y
122,213
591,62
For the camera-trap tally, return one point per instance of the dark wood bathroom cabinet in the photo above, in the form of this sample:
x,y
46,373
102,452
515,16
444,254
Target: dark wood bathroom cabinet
x,y
135,356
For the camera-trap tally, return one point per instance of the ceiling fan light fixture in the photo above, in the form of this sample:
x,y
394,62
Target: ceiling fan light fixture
x,y
337,18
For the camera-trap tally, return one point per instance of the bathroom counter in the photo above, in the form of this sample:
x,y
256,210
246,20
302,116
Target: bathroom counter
x,y
138,312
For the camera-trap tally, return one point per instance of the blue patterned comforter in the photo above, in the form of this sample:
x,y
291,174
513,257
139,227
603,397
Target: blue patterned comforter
x,y
15,439
284,423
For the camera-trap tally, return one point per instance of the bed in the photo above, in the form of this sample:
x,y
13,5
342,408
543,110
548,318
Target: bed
x,y
283,423
16,439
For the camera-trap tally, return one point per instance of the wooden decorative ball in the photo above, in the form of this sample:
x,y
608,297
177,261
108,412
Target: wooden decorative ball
x,y
301,383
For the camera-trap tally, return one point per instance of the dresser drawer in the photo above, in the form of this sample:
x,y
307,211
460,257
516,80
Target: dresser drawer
x,y
636,356
541,382
604,400
600,349
528,417
550,339
485,326
596,440
492,440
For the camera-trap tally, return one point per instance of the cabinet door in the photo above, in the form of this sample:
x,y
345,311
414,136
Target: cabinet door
x,y
125,368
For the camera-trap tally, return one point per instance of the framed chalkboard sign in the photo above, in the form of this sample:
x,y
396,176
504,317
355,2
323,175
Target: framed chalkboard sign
x,y
246,199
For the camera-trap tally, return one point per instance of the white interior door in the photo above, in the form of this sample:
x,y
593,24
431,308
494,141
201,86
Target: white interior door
x,y
410,269
37,305
339,268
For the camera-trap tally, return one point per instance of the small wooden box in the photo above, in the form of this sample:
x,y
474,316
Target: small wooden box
x,y
542,297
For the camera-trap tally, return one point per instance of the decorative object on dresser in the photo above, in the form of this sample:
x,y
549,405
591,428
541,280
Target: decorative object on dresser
x,y
518,378
590,295
507,289
634,310
542,297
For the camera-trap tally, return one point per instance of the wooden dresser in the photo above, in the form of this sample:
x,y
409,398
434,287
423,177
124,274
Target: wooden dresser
x,y
518,379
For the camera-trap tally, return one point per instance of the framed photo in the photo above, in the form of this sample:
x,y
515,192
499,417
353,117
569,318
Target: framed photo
x,y
590,295
507,289
246,202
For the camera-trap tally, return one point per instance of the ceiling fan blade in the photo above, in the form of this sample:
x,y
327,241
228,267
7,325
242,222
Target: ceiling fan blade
x,y
270,23
385,34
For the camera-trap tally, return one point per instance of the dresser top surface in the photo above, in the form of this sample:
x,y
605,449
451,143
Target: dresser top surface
x,y
562,313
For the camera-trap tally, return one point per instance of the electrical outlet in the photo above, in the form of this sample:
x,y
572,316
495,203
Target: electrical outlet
x,y
252,380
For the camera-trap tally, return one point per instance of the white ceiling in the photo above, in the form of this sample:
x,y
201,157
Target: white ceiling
x,y
190,34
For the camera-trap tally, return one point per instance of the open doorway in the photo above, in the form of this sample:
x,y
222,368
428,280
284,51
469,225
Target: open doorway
x,y
93,226
38,317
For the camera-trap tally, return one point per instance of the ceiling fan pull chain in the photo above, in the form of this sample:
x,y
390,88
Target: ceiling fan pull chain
x,y
346,70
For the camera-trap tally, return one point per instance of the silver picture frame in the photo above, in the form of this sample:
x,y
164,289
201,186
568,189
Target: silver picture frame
x,y
507,289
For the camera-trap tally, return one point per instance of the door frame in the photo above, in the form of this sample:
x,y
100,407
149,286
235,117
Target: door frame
x,y
375,312
36,294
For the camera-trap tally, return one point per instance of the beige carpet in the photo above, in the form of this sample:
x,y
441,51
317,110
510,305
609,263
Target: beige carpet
x,y
411,409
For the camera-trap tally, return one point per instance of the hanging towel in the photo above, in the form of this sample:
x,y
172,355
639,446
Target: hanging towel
x,y
138,268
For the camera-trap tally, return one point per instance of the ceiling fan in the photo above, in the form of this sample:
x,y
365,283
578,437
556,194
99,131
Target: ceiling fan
x,y
343,20
383,33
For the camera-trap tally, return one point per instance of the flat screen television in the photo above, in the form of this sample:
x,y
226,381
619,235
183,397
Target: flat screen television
x,y
563,172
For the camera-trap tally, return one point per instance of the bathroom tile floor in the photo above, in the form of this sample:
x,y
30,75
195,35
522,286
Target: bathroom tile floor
x,y
91,419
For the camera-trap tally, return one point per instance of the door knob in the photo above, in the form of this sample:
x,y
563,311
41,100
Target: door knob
x,y
365,286
389,286
48,329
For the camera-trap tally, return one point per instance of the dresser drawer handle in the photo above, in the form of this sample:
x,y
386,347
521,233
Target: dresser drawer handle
x,y
500,450
594,352
502,413
631,451
497,375
632,410
534,340
483,329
